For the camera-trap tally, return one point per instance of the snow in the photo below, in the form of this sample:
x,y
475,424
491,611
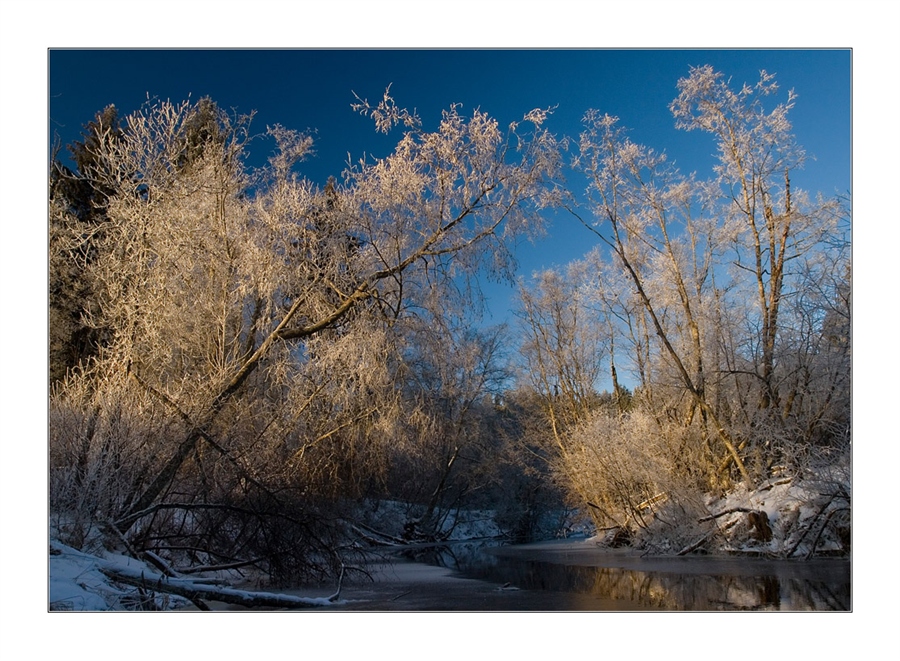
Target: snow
x,y
81,582
76,582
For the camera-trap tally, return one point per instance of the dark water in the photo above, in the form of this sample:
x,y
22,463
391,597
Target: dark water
x,y
576,575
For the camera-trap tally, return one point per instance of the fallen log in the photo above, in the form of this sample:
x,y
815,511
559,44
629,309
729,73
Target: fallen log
x,y
192,590
359,527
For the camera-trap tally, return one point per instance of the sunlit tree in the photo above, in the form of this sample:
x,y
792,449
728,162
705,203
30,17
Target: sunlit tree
x,y
251,316
718,289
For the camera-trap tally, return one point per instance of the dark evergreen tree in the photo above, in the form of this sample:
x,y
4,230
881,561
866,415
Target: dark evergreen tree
x,y
78,201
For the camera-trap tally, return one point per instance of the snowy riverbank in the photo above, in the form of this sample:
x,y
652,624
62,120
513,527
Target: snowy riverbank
x,y
783,518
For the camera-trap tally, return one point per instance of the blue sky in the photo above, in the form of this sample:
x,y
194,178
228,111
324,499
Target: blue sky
x,y
313,89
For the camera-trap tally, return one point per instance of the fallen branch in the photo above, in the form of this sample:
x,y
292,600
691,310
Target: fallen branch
x,y
712,517
194,590
210,568
652,501
159,563
775,483
824,525
153,559
696,545
373,541
811,525
360,527
712,533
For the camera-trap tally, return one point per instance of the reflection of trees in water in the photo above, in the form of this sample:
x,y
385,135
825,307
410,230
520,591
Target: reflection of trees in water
x,y
663,590
459,556
701,592
642,587
669,591
807,595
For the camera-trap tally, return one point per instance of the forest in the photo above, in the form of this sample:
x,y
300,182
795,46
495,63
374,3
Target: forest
x,y
245,366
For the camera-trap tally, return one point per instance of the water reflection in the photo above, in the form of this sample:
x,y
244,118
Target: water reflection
x,y
696,584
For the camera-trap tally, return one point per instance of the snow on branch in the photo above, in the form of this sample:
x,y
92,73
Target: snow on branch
x,y
194,590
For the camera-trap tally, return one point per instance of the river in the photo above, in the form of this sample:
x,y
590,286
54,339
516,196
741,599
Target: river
x,y
576,575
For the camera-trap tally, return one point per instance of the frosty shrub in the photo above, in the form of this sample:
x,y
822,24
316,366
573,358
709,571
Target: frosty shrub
x,y
638,474
103,443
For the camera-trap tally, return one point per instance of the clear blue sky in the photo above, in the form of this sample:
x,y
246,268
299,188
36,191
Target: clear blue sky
x,y
313,89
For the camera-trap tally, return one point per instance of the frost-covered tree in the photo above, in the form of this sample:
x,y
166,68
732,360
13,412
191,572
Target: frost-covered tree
x,y
720,291
252,316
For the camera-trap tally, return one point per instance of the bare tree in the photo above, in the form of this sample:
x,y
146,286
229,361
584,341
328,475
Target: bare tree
x,y
757,153
564,345
639,198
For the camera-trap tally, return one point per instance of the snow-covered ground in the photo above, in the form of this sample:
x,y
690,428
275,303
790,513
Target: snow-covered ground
x,y
795,512
785,516
76,582
82,581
